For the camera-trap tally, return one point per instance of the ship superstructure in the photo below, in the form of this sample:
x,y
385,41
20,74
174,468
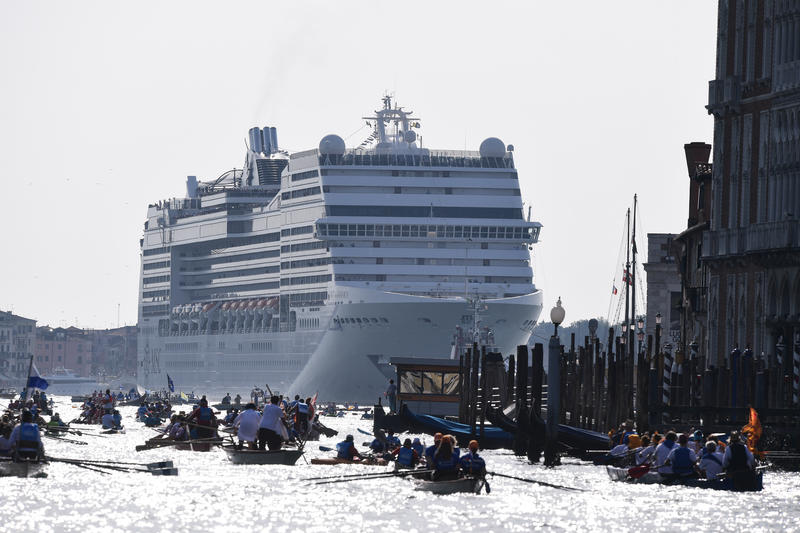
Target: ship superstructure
x,y
310,270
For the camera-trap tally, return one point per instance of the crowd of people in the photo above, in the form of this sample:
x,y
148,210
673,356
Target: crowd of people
x,y
19,435
682,455
443,458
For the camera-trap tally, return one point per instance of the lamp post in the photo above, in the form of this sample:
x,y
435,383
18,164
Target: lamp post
x,y
657,349
553,387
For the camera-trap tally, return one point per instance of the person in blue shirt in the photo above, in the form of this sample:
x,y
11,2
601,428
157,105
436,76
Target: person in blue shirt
x,y
445,460
682,458
380,443
117,420
347,450
141,412
406,456
471,463
417,446
430,451
392,441
25,440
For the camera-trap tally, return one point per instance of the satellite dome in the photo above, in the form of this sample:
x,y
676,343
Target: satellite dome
x,y
492,147
410,136
331,145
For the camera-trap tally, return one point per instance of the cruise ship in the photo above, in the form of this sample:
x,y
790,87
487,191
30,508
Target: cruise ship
x,y
308,271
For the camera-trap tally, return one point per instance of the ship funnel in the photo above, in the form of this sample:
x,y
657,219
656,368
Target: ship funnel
x,y
266,142
255,139
191,186
273,138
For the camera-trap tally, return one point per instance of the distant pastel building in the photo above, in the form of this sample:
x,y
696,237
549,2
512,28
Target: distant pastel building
x,y
16,344
63,348
114,351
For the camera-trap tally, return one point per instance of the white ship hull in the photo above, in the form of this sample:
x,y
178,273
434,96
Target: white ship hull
x,y
343,361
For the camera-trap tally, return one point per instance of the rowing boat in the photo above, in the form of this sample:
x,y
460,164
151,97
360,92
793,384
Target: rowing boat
x,y
262,457
337,460
452,486
22,468
739,483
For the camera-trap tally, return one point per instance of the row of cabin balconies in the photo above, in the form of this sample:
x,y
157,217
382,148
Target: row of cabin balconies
x,y
756,238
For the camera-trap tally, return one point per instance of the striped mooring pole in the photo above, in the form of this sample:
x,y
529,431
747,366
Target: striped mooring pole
x,y
667,380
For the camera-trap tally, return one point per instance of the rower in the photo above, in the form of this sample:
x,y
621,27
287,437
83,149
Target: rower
x,y
445,462
662,452
710,460
227,399
117,419
141,412
55,421
108,401
301,416
380,444
247,425
406,456
108,421
391,440
430,451
737,457
417,446
645,453
269,428
203,416
682,458
347,450
471,463
25,439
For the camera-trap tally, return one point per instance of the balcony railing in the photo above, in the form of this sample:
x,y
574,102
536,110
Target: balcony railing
x,y
757,238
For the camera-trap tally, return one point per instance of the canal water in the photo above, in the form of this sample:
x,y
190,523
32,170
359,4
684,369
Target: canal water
x,y
210,494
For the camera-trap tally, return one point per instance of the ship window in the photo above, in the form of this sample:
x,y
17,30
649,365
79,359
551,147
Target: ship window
x,y
492,232
420,261
414,231
358,320
406,230
448,190
484,246
379,261
361,230
398,190
333,230
370,230
352,230
449,231
384,320
365,319
457,232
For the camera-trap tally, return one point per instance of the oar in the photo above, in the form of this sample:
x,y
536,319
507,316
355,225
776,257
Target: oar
x,y
396,473
365,432
543,483
325,449
71,441
374,476
92,469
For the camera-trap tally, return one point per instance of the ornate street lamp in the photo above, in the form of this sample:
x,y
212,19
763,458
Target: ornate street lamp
x,y
557,316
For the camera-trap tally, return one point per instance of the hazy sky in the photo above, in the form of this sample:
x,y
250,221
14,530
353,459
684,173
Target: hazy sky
x,y
107,106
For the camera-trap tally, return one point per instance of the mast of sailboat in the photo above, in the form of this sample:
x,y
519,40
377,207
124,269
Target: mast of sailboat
x,y
627,275
632,277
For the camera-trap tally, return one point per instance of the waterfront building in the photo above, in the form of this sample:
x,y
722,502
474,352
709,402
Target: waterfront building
x,y
114,351
752,248
16,344
63,348
663,288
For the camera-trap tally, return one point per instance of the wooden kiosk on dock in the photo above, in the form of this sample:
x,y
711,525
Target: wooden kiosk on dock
x,y
427,386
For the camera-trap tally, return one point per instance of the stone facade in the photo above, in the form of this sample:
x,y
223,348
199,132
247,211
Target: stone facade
x,y
663,287
16,346
751,249
63,348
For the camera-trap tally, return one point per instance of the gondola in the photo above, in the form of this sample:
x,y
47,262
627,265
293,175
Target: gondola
x,y
492,438
22,468
571,437
744,483
452,486
261,457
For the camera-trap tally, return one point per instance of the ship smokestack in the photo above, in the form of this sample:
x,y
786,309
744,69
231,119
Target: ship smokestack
x,y
273,137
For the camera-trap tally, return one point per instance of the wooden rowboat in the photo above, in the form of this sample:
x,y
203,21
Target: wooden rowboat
x,y
337,460
747,482
452,486
22,468
262,457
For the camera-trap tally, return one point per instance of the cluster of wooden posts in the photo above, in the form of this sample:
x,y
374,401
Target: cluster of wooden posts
x,y
600,388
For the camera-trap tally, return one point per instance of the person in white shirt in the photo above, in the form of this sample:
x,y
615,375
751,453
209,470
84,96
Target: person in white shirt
x,y
645,453
269,430
710,460
247,426
662,452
